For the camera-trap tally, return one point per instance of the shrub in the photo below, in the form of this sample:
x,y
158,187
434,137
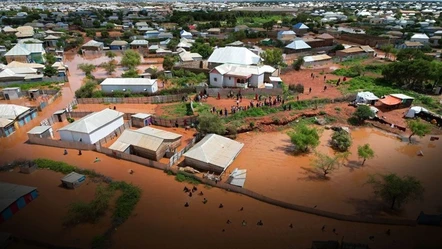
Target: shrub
x,y
252,125
185,178
299,88
341,141
70,120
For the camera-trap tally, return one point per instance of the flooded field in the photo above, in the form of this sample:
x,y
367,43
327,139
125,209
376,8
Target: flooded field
x,y
273,170
42,219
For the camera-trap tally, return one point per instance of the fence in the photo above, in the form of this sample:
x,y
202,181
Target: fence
x,y
61,144
184,121
44,79
133,158
177,156
113,134
51,120
225,91
133,100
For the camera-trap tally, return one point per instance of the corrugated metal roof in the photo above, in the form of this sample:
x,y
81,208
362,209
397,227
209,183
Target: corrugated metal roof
x,y
139,42
10,111
238,177
5,122
216,150
141,115
9,193
118,43
243,70
352,50
72,177
93,43
128,81
320,57
367,49
401,96
23,70
14,64
234,55
93,121
159,133
18,49
39,129
298,44
300,25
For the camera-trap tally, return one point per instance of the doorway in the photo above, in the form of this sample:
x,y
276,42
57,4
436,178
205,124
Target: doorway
x,y
6,96
59,118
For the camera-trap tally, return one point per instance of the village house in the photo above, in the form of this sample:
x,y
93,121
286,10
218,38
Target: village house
x,y
397,100
51,41
410,44
14,116
243,76
233,55
300,28
26,53
214,31
118,45
93,127
147,142
422,38
93,45
236,44
133,85
355,52
141,120
286,36
73,180
12,93
41,132
187,56
151,34
185,34
316,60
214,153
298,45
14,198
136,44
24,32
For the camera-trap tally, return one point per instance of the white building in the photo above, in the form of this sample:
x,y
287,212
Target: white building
x,y
93,127
244,76
422,38
233,55
134,85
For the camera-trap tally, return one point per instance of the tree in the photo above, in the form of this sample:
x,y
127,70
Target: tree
x,y
387,49
131,59
410,54
169,62
105,34
111,54
205,50
210,123
341,140
131,73
50,59
396,190
409,73
110,66
273,57
365,152
304,138
173,43
49,71
362,113
268,25
86,68
110,26
327,164
358,69
418,128
298,63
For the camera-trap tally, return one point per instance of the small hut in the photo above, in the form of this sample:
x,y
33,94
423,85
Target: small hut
x,y
60,115
33,93
12,93
41,132
141,120
73,180
28,168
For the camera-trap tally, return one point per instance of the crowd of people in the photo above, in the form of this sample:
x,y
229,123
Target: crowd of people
x,y
257,101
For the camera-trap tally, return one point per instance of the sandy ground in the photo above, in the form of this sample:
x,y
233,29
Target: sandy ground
x,y
42,218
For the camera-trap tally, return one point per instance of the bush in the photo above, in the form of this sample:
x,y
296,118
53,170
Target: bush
x,y
185,178
71,120
63,167
299,88
127,201
341,141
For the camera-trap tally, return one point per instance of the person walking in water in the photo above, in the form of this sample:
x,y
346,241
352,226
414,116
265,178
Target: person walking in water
x,y
65,152
309,90
79,152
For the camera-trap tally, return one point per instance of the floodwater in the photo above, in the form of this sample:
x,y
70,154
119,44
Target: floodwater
x,y
273,170
160,218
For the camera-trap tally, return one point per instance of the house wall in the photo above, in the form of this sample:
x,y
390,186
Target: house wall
x,y
19,58
134,89
12,94
257,80
46,134
423,41
138,122
94,137
202,166
219,80
21,121
229,81
145,153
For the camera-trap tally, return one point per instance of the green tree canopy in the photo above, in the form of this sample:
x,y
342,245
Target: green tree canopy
x,y
273,57
50,59
396,190
409,73
111,54
110,66
418,128
86,68
297,64
327,164
131,73
304,138
105,34
269,25
169,62
205,50
341,141
365,152
131,59
362,113
409,54
209,123
49,71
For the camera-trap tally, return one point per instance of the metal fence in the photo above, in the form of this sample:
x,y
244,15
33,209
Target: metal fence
x,y
134,100
133,158
182,122
177,156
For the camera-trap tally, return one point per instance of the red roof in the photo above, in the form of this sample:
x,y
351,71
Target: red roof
x,y
390,100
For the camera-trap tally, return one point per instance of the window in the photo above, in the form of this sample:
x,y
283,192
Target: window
x,y
230,78
215,79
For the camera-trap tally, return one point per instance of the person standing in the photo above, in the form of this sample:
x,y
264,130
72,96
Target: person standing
x,y
309,90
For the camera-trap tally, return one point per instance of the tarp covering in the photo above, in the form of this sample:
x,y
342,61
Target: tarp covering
x,y
411,113
364,97
389,100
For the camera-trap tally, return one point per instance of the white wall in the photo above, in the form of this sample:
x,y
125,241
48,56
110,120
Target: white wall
x,y
229,81
94,137
219,79
134,89
423,41
257,80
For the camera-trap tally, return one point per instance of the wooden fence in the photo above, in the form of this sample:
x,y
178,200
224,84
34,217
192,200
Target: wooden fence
x,y
177,156
134,100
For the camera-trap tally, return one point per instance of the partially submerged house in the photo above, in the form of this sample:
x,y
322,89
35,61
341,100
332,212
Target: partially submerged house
x,y
243,76
26,53
141,120
118,45
12,93
147,142
286,35
43,131
93,127
300,28
13,198
73,180
14,116
134,85
93,45
237,177
214,153
233,55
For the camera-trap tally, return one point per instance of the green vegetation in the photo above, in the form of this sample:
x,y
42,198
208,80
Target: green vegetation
x,y
86,68
131,73
180,177
327,164
304,138
205,50
341,141
210,123
63,167
169,61
365,152
396,190
418,128
353,62
186,78
131,59
273,57
297,64
38,85
178,110
86,90
111,54
110,66
126,202
361,114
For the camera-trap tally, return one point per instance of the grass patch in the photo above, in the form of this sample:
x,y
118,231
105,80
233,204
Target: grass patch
x,y
180,177
63,167
253,112
346,72
38,85
352,62
257,21
183,109
126,202
380,88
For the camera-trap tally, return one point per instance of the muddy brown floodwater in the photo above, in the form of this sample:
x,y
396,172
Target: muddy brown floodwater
x,y
161,220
